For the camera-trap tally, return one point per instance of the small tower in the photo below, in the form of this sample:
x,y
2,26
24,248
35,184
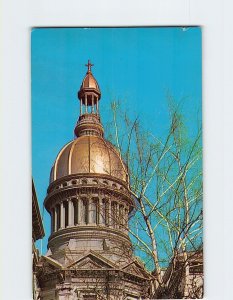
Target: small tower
x,y
89,93
89,96
89,251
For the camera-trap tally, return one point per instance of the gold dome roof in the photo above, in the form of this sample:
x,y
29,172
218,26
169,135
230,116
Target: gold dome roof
x,y
89,82
89,154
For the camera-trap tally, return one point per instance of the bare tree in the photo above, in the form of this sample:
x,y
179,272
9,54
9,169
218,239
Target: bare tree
x,y
166,181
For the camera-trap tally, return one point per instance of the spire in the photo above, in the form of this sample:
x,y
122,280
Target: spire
x,y
89,96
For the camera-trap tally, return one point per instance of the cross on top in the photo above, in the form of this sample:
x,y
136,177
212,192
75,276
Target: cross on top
x,y
89,65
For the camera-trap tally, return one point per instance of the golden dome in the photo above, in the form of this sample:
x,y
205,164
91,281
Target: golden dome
x,y
89,154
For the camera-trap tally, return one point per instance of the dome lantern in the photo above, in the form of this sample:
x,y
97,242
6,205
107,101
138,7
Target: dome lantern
x,y
89,93
89,96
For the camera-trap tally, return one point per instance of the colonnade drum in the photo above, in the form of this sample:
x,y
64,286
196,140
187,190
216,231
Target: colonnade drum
x,y
93,211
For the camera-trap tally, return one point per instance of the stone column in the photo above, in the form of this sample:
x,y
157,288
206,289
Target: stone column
x,y
90,212
107,212
55,219
110,213
126,218
123,221
81,212
97,106
94,211
70,213
117,215
92,104
81,108
86,103
62,216
52,220
102,213
58,216
113,214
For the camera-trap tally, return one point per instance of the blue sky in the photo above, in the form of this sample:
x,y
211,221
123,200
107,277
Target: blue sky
x,y
137,66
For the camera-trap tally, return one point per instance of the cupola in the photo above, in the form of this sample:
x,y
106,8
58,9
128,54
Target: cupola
x,y
89,96
89,153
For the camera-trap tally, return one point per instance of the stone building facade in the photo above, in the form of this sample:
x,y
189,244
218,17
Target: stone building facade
x,y
89,251
37,234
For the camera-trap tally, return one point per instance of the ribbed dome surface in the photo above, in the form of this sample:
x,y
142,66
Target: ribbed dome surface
x,y
88,154
90,82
